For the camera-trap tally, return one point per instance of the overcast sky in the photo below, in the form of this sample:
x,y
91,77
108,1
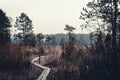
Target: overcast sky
x,y
48,16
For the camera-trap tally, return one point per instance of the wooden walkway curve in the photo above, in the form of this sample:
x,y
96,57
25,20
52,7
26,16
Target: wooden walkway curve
x,y
45,72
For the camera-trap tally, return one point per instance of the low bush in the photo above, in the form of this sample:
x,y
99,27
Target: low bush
x,y
14,56
90,63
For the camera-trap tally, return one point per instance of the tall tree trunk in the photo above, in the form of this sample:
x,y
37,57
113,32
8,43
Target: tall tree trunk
x,y
69,38
114,24
119,36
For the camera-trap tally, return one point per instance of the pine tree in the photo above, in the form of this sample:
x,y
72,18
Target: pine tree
x,y
4,28
71,35
40,37
107,11
24,27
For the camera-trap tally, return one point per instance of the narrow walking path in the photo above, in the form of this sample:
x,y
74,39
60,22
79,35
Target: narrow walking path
x,y
45,72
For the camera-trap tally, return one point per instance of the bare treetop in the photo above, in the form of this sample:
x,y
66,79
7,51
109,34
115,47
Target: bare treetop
x,y
69,28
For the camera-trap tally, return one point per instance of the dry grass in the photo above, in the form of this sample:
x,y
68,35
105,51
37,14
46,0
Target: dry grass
x,y
89,63
15,63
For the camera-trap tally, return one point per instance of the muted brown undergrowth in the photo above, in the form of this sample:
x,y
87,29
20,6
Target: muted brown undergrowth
x,y
90,63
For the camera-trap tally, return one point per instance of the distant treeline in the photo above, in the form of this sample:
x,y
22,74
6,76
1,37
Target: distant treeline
x,y
81,39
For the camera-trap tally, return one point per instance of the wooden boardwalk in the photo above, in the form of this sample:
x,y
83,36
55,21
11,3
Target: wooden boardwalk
x,y
45,72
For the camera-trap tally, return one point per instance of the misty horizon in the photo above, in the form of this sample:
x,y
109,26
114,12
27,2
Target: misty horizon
x,y
48,17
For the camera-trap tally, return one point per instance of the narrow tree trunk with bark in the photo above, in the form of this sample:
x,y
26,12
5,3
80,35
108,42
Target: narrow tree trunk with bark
x,y
114,24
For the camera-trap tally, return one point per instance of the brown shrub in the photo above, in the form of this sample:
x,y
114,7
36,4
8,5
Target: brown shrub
x,y
14,56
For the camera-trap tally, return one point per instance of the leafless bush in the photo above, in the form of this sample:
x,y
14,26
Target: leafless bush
x,y
14,56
